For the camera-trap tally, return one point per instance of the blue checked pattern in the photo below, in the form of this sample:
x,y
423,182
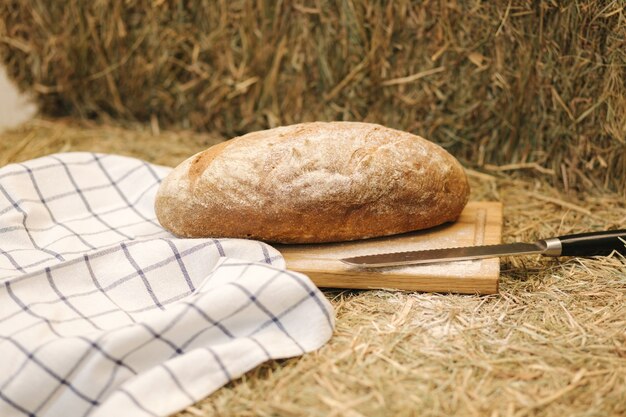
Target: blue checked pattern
x,y
103,312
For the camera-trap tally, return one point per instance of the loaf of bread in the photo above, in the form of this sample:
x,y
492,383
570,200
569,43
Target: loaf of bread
x,y
313,182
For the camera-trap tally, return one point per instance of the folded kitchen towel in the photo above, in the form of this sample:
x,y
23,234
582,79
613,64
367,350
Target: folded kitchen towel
x,y
103,312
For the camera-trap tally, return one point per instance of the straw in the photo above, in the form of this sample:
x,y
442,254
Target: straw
x,y
551,343
539,84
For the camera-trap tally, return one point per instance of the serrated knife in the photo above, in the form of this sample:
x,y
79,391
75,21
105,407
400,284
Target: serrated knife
x,y
582,244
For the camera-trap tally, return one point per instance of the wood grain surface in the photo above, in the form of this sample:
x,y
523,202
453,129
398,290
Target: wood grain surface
x,y
480,223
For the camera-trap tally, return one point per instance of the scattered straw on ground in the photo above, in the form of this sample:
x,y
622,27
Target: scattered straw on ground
x,y
41,137
552,343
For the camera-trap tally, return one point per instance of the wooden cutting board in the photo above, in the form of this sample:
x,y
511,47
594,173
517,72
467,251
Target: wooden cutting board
x,y
480,223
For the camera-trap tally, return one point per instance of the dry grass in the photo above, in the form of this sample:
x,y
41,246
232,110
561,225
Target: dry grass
x,y
41,137
552,343
538,84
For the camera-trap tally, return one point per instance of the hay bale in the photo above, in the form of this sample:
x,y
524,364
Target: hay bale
x,y
537,86
552,343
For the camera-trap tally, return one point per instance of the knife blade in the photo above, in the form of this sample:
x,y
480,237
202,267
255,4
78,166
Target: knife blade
x,y
582,244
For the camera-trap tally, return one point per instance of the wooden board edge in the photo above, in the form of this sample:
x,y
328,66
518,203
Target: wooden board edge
x,y
442,284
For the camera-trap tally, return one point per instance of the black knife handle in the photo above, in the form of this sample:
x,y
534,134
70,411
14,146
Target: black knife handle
x,y
593,243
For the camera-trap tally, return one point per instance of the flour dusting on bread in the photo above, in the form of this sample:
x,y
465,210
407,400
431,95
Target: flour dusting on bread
x,y
314,182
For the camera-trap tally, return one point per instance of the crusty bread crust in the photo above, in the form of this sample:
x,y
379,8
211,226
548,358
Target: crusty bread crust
x,y
314,182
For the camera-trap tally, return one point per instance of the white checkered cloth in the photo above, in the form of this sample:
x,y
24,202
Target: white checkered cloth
x,y
103,312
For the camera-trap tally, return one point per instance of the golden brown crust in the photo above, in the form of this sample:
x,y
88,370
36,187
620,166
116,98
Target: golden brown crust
x,y
314,182
203,159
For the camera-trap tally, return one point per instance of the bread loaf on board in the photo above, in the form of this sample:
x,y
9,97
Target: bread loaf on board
x,y
313,182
